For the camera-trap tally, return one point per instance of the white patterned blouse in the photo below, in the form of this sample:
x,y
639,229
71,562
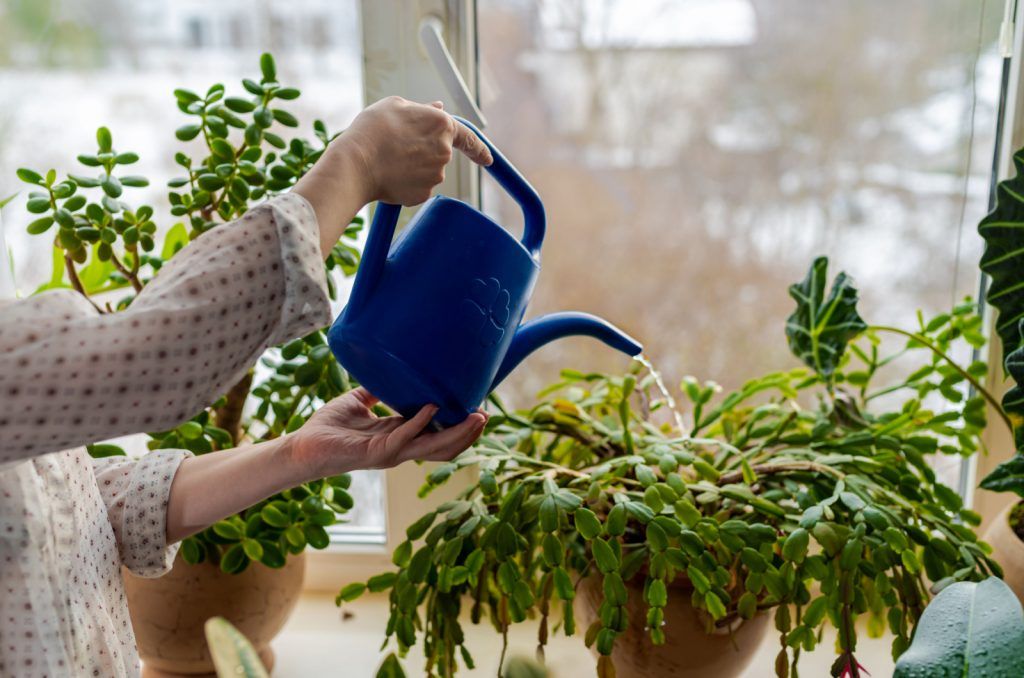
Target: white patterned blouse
x,y
70,376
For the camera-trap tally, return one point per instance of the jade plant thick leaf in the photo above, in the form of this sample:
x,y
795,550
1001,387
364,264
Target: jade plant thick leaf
x,y
798,495
970,630
821,326
1003,261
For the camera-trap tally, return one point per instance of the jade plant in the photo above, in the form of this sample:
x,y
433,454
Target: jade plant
x,y
805,494
108,248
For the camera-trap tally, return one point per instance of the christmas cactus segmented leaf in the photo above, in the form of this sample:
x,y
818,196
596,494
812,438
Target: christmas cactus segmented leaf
x,y
821,327
970,629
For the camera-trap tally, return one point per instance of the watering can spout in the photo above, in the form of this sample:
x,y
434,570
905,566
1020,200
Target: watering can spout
x,y
535,333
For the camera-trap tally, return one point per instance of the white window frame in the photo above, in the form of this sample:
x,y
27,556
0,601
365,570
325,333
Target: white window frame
x,y
394,63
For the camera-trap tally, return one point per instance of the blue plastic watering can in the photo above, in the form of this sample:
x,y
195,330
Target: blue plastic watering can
x,y
435,317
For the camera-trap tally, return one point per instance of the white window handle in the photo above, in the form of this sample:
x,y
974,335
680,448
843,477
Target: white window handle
x,y
432,41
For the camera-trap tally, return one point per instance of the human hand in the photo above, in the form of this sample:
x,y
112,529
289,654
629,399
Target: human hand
x,y
344,435
403,148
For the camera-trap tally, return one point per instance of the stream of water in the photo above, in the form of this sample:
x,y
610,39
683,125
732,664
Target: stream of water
x,y
660,383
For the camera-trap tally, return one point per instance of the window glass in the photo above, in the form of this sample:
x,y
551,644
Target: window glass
x,y
67,68
694,156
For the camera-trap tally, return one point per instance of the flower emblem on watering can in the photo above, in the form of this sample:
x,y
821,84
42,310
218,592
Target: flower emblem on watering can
x,y
486,310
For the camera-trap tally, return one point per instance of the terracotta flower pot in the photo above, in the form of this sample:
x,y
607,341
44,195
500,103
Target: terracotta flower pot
x,y
1008,551
688,651
168,613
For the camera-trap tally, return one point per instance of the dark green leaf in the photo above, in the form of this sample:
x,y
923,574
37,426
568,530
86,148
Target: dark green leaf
x,y
104,139
101,450
548,514
351,592
615,524
253,549
227,529
29,177
191,552
316,536
587,523
390,668
604,556
821,327
285,118
1008,476
188,132
263,117
40,225
111,186
381,582
239,105
267,67
420,527
234,560
274,517
38,205
795,547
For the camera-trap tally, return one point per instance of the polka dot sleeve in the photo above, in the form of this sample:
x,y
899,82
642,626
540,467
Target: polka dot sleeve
x,y
70,376
136,494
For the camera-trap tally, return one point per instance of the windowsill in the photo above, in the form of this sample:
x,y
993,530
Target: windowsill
x,y
317,639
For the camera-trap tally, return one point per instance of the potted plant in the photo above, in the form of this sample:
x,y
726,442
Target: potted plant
x,y
804,496
1002,262
247,568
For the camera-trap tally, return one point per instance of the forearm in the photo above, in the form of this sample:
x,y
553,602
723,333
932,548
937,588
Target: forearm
x,y
336,188
210,487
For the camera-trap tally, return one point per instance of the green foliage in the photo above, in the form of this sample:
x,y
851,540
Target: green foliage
x,y
970,629
233,159
799,493
821,326
267,532
1003,232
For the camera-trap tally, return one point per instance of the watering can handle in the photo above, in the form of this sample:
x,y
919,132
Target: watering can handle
x,y
509,178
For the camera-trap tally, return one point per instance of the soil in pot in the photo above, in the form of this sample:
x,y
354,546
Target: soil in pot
x,y
1006,535
688,652
168,613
